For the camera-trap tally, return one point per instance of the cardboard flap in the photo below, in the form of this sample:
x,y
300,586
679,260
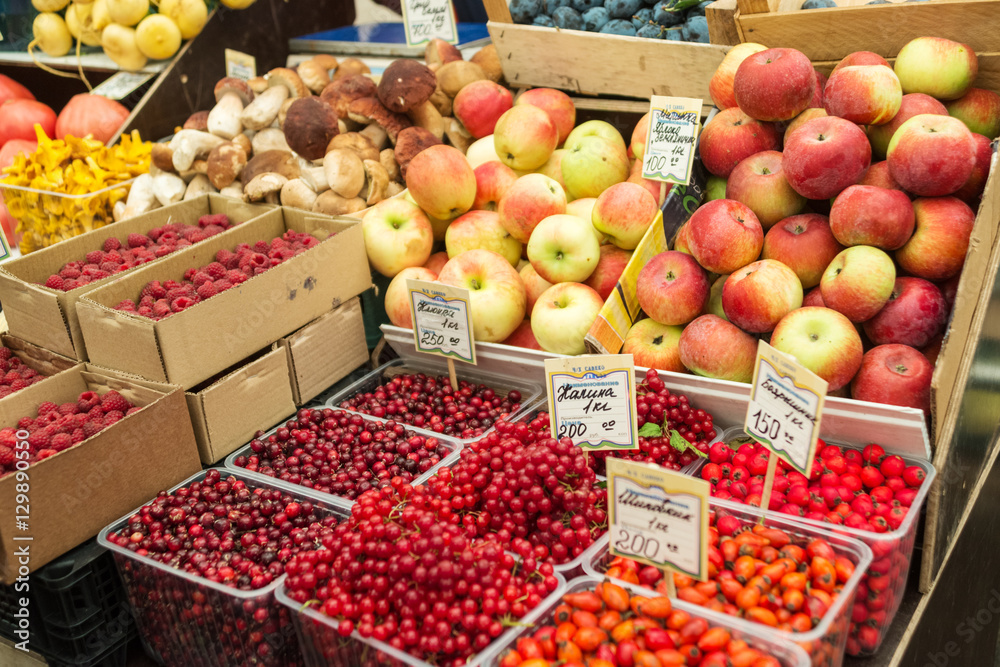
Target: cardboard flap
x,y
325,350
62,389
133,389
37,358
33,313
115,339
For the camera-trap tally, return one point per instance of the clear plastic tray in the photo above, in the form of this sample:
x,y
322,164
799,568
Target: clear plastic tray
x,y
187,620
454,450
891,554
787,653
322,645
826,642
530,391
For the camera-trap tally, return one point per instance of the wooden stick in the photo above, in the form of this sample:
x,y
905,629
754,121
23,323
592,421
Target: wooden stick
x,y
451,374
765,498
671,588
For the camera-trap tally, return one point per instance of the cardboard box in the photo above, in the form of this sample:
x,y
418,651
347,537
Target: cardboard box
x,y
44,361
47,317
189,347
227,411
325,351
75,493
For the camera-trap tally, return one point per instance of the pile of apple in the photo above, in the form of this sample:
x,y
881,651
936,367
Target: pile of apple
x,y
569,199
846,232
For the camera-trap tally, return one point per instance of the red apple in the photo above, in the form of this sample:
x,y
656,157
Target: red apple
x,y
979,109
524,137
481,230
864,94
712,347
939,67
654,345
915,313
868,215
724,235
774,85
637,142
894,375
528,201
936,251
860,58
973,188
731,137
803,243
949,289
878,175
480,104
817,101
523,337
824,156
720,87
822,340
623,213
802,119
609,269
714,305
672,288
932,156
658,189
757,296
557,104
441,182
397,296
759,182
911,105
814,298
436,262
493,179
858,282
681,239
534,285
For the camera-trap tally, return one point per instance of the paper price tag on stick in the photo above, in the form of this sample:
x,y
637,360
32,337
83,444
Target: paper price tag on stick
x,y
429,19
442,320
674,123
592,400
240,65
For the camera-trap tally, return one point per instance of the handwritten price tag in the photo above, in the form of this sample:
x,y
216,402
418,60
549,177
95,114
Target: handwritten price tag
x,y
240,65
121,85
442,320
786,404
429,19
674,123
592,400
658,517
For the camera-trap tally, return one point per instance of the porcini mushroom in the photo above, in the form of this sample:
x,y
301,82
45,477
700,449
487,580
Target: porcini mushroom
x,y
225,164
264,187
458,136
388,160
426,115
345,172
375,134
234,190
309,127
245,142
330,203
168,188
349,66
370,110
315,178
141,198
282,83
489,60
411,141
231,95
277,162
345,90
162,156
188,145
454,76
377,180
269,139
198,186
405,84
356,142
197,121
297,194
314,75
439,52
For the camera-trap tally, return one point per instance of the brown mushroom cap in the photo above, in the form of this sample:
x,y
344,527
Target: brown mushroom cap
x,y
282,76
233,85
411,141
356,142
314,75
369,110
326,61
349,66
197,121
225,164
489,60
439,52
258,84
309,127
275,161
405,84
162,156
342,92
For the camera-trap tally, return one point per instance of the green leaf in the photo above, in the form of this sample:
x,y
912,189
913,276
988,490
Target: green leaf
x,y
680,443
650,430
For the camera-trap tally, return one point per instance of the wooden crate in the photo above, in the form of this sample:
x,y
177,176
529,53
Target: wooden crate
x,y
830,34
590,63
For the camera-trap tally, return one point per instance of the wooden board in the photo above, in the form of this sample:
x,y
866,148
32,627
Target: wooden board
x,y
830,34
721,17
599,64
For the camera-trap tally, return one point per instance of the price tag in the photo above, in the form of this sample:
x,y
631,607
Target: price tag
x,y
786,403
4,249
658,516
674,123
592,400
240,65
442,320
429,19
121,85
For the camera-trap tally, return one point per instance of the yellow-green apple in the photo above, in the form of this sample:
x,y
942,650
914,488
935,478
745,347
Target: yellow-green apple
x,y
553,168
482,151
802,119
654,345
441,181
527,202
759,182
397,296
481,230
915,313
436,262
724,235
524,137
557,104
939,67
582,208
534,285
623,213
757,296
658,189
731,137
397,235
775,84
824,156
592,164
714,305
803,243
493,179
480,104
869,215
609,269
563,248
712,347
813,298
681,240
936,251
818,93
911,105
672,288
894,375
860,58
931,155
973,188
563,315
720,86
523,337
864,94
596,128
496,292
637,143
858,282
879,176
933,349
822,340
979,109
716,188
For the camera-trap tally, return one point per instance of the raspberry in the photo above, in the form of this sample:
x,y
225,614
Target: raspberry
x,y
261,247
145,311
113,418
189,274
212,230
45,453
138,240
197,237
61,441
222,285
7,354
6,456
215,270
224,257
201,278
55,282
235,276
127,305
162,251
78,435
96,413
68,409
87,400
156,232
147,301
91,429
161,308
47,407
220,219
168,238
109,267
113,256
181,303
207,290
157,291
71,284
25,423
69,272
19,384
40,439
132,411
95,257
112,244
114,401
100,273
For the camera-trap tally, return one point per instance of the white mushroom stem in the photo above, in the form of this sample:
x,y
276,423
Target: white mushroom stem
x,y
315,178
264,109
198,186
168,188
118,210
224,118
268,139
141,198
234,190
188,145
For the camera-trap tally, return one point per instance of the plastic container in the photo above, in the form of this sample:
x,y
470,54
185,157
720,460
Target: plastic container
x,y
825,643
322,645
881,589
453,446
787,653
187,620
530,391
